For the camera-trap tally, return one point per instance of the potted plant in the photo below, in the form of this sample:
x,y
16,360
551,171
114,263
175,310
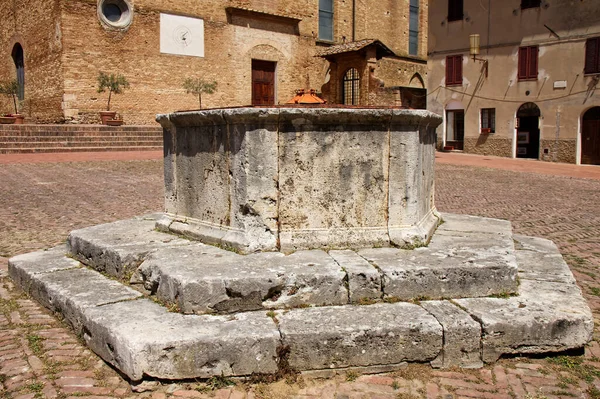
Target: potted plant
x,y
114,83
198,86
10,88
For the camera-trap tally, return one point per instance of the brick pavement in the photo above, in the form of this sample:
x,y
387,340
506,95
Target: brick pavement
x,y
41,358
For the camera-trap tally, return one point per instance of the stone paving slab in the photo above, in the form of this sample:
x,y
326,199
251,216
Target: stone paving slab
x,y
57,283
118,248
141,338
334,337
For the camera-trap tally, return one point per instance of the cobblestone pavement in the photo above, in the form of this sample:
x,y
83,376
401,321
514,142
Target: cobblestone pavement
x,y
41,358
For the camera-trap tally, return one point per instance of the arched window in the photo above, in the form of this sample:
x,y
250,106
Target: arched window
x,y
351,87
19,60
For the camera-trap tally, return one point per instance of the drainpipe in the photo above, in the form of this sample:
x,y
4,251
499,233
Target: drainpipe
x,y
353,20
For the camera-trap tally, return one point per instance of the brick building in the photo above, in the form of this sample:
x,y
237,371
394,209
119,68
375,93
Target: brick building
x,y
258,52
531,92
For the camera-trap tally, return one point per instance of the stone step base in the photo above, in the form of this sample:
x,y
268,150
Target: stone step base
x,y
23,139
467,257
78,149
143,339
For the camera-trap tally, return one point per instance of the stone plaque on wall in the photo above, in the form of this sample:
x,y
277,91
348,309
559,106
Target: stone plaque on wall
x,y
181,35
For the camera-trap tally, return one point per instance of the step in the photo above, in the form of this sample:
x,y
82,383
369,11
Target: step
x,y
62,138
200,278
143,339
77,149
76,143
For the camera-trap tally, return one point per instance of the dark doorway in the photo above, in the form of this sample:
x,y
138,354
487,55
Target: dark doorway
x,y
590,137
19,60
455,129
263,82
528,132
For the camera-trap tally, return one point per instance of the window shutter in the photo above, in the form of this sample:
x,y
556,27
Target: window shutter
x,y
449,70
458,69
533,63
592,56
522,63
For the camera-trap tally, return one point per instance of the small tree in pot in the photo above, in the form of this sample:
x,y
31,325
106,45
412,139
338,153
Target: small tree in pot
x,y
114,83
10,88
198,86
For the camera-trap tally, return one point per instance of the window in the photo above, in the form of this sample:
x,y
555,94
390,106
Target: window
x,y
530,4
488,120
455,10
592,55
413,28
115,13
454,70
351,87
528,63
326,20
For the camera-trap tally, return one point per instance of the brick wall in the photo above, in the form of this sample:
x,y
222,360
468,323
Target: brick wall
x,y
35,24
86,47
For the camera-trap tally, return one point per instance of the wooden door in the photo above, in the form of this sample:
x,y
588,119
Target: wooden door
x,y
590,137
263,82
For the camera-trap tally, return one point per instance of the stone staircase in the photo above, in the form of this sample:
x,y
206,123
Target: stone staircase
x,y
156,305
23,139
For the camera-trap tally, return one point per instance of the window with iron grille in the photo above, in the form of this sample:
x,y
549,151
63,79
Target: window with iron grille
x,y
454,70
326,20
592,55
455,10
530,4
528,63
413,28
488,120
351,87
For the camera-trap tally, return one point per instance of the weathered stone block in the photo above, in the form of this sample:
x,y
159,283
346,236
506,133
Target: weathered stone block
x,y
141,338
462,336
364,280
118,248
333,337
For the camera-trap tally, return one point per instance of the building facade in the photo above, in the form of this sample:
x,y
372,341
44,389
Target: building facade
x,y
257,51
531,92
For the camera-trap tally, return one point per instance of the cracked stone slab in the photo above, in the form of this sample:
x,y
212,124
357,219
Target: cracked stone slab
x,y
547,316
334,337
474,224
23,267
66,291
462,336
118,248
201,280
437,274
141,338
364,280
540,259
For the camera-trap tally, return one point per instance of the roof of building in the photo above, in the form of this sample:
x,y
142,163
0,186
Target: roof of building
x,y
382,49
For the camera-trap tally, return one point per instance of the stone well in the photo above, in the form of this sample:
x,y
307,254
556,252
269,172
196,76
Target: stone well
x,y
283,179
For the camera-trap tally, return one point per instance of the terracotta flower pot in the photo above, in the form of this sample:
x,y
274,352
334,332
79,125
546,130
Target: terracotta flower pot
x,y
114,122
107,115
19,119
7,120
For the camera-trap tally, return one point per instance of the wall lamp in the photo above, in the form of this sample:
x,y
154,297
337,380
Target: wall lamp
x,y
474,51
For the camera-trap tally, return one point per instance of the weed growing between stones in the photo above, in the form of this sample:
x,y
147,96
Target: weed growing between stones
x,y
391,299
395,385
576,366
366,301
503,295
273,316
593,392
595,291
35,343
351,375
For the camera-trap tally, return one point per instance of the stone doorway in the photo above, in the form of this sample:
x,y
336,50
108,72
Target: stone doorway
x,y
455,125
590,137
263,82
528,131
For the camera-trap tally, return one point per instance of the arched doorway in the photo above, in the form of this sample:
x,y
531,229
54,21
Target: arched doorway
x,y
455,125
590,137
19,60
528,131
